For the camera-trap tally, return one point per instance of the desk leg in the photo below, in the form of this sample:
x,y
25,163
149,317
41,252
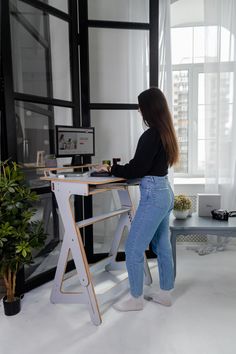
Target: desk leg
x,y
147,273
72,242
123,221
173,245
56,292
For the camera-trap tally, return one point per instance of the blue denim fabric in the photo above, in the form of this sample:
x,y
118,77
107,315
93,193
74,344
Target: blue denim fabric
x,y
151,225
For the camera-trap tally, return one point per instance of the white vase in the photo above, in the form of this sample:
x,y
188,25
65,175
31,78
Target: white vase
x,y
181,214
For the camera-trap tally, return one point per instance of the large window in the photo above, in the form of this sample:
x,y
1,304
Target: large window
x,y
192,60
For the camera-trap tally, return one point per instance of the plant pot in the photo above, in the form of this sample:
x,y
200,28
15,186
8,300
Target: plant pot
x,y
51,163
181,214
11,308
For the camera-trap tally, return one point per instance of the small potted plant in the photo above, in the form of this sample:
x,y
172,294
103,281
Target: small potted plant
x,y
19,235
182,205
50,161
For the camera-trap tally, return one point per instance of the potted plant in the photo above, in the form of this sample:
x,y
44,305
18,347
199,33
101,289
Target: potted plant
x,y
19,235
50,161
182,205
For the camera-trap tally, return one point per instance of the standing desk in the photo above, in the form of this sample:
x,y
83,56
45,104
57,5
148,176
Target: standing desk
x,y
64,188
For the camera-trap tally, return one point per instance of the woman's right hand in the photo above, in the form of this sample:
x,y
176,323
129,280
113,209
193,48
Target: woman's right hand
x,y
104,167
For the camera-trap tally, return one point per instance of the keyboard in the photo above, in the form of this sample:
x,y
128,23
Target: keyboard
x,y
100,174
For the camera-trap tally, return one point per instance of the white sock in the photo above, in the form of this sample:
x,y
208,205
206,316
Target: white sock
x,y
132,304
163,297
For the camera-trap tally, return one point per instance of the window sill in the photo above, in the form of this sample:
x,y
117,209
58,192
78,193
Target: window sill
x,y
193,180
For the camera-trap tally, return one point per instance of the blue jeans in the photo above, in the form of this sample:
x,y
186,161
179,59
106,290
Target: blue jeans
x,y
151,225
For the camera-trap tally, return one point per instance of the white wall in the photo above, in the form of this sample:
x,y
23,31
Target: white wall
x,y
186,12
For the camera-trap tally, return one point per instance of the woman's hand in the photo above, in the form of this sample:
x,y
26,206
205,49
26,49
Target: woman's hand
x,y
106,168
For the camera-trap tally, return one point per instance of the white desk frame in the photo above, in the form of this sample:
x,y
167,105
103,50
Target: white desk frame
x,y
72,241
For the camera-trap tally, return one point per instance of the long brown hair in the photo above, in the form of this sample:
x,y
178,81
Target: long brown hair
x,y
156,114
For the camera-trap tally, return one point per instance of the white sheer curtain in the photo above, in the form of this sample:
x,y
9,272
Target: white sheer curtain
x,y
165,65
220,99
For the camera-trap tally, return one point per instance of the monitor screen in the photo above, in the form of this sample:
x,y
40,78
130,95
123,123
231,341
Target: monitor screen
x,y
72,141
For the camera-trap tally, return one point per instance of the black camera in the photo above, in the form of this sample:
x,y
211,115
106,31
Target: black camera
x,y
220,214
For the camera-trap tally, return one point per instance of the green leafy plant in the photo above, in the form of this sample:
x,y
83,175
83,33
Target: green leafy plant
x,y
19,235
51,157
182,202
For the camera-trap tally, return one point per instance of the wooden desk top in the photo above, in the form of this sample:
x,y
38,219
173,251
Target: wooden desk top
x,y
84,180
64,168
76,177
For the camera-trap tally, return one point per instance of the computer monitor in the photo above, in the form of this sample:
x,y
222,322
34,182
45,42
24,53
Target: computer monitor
x,y
74,142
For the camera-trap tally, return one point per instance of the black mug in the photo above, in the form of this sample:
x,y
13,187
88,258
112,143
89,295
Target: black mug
x,y
115,160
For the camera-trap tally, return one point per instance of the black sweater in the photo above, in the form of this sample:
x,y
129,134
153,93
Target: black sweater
x,y
149,159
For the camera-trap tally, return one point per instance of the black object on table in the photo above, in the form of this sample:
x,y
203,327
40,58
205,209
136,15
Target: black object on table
x,y
100,174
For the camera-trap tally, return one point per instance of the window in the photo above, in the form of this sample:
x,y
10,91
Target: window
x,y
191,64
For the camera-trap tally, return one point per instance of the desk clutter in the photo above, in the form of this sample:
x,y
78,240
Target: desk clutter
x,y
210,205
223,215
207,203
100,174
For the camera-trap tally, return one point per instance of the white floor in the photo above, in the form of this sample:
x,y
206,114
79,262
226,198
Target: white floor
x,y
202,319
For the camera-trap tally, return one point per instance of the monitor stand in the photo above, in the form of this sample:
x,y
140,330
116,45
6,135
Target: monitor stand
x,y
76,160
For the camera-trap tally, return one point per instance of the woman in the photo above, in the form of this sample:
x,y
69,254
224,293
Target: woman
x,y
157,150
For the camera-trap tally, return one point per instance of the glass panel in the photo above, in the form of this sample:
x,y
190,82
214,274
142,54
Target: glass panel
x,y
227,45
60,58
219,44
40,52
182,51
213,80
211,44
226,86
202,43
201,88
35,130
199,44
226,123
201,121
110,126
62,116
213,97
181,115
47,257
119,10
59,4
118,59
201,158
208,130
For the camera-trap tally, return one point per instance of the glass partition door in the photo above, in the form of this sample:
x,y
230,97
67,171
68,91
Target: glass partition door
x,y
42,90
